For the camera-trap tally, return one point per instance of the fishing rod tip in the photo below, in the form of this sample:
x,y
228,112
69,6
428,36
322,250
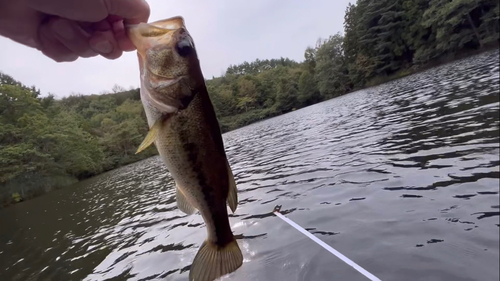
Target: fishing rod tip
x,y
277,208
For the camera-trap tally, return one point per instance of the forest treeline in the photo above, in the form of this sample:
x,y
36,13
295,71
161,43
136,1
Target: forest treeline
x,y
382,40
47,143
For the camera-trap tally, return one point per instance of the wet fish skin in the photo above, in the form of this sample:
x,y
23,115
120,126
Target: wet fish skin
x,y
185,130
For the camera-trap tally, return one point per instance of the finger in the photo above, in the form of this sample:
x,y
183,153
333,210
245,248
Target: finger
x,y
88,10
101,26
104,43
133,11
71,35
115,24
121,36
52,48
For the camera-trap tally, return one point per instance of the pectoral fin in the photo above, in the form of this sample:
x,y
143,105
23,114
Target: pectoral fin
x,y
232,196
182,202
151,136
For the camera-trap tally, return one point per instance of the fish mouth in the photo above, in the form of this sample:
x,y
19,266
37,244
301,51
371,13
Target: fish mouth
x,y
147,35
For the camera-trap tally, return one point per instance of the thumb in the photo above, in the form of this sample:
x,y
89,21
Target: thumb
x,y
132,11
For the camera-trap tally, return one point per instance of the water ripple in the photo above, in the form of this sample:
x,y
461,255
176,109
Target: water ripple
x,y
408,171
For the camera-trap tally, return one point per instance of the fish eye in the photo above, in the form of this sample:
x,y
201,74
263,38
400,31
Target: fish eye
x,y
184,47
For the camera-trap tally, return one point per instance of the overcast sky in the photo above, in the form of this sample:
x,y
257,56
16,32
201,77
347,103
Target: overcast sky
x,y
225,32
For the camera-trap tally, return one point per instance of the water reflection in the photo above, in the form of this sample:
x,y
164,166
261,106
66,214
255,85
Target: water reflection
x,y
407,171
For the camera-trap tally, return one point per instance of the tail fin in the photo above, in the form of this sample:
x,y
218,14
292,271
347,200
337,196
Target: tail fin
x,y
212,261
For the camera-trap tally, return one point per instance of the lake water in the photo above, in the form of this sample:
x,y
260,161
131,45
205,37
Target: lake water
x,y
402,178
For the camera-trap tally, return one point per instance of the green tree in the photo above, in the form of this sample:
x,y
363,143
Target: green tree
x,y
310,59
331,68
308,91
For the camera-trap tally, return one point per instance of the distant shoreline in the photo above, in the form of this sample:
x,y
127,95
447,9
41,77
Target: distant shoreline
x,y
444,60
447,59
257,115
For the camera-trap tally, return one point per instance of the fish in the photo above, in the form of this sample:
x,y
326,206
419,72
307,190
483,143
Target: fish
x,y
185,131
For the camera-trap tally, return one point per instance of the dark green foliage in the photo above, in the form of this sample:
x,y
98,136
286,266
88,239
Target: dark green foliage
x,y
258,66
383,37
331,67
258,94
47,143
308,90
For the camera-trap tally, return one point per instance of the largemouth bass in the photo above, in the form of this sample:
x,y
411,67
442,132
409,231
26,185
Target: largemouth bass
x,y
186,133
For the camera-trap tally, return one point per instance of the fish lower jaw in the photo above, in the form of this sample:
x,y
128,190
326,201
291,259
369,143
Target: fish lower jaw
x,y
164,82
155,104
163,108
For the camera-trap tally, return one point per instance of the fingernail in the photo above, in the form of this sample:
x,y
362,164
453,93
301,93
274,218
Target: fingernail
x,y
103,47
63,30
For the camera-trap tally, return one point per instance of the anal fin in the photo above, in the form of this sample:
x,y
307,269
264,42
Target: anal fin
x,y
232,196
182,202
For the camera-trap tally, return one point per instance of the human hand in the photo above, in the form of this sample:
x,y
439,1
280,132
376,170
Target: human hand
x,y
65,30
